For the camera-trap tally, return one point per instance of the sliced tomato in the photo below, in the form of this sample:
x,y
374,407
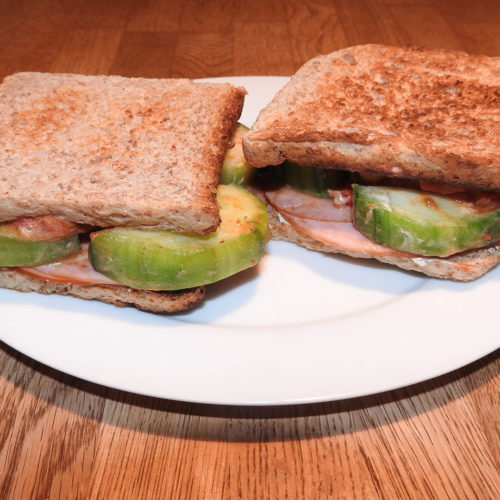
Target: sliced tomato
x,y
76,269
43,228
435,187
485,201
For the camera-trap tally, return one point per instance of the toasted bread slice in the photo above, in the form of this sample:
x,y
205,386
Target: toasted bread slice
x,y
465,266
114,151
423,114
159,302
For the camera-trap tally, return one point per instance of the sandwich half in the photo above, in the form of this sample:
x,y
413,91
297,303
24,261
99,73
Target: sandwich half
x,y
387,153
109,189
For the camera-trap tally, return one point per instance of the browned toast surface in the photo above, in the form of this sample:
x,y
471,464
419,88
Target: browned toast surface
x,y
114,151
424,114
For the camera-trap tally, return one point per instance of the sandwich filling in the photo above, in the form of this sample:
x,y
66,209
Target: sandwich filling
x,y
52,249
38,240
382,216
401,115
149,259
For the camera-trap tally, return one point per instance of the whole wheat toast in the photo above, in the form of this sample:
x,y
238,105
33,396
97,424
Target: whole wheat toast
x,y
114,151
423,114
118,295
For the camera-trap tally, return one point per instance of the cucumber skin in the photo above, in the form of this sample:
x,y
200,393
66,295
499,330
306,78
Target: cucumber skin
x,y
166,269
438,239
16,252
236,174
315,181
235,168
137,258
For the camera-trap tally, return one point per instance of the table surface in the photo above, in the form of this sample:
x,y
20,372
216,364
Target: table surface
x,y
61,437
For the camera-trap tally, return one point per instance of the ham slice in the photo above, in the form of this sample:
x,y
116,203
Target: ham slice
x,y
325,222
341,235
292,202
76,269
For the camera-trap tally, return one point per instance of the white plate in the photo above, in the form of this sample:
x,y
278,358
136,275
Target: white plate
x,y
301,327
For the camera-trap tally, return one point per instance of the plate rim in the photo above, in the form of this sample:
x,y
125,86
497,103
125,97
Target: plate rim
x,y
11,340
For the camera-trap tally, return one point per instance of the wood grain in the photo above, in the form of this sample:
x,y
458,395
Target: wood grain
x,y
64,438
61,438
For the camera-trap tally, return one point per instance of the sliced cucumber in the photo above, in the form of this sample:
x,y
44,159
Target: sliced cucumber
x,y
163,260
17,252
312,180
235,169
422,223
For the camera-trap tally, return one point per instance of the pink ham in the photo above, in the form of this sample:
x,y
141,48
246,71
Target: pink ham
x,y
321,220
341,235
76,269
289,201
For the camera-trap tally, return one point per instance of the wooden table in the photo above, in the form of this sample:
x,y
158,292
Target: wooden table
x,y
64,438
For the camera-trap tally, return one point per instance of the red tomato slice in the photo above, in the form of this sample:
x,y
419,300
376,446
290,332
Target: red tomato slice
x,y
43,228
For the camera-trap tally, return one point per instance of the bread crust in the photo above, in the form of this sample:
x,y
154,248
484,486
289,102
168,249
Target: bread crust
x,y
113,151
465,266
158,302
403,112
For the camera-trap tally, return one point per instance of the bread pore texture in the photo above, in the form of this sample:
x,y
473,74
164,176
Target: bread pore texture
x,y
401,112
114,151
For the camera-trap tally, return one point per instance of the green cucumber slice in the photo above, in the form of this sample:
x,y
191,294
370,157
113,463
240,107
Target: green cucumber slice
x,y
313,180
17,252
422,223
235,169
163,260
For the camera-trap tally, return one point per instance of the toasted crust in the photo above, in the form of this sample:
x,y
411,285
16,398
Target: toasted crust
x,y
159,302
465,266
423,114
113,151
